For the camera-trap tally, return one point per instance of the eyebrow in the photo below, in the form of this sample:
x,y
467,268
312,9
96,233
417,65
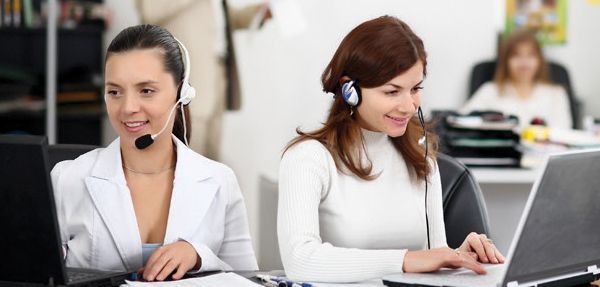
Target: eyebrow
x,y
400,87
137,84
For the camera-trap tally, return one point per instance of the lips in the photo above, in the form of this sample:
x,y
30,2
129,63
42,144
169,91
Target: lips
x,y
135,126
398,120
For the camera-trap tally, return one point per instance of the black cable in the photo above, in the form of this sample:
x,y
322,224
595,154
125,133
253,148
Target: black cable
x,y
422,121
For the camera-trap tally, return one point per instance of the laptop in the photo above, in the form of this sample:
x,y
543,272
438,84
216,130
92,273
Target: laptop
x,y
557,242
30,243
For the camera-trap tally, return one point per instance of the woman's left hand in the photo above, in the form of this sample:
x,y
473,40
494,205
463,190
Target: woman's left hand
x,y
180,256
483,247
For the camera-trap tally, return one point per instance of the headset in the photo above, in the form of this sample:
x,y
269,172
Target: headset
x,y
186,94
351,93
352,96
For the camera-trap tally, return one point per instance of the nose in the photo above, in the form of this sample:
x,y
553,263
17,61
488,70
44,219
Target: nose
x,y
130,104
408,103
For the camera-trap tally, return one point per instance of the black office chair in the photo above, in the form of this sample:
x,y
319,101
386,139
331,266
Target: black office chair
x,y
60,152
484,72
464,207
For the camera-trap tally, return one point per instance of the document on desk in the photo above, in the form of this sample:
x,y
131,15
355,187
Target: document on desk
x,y
217,280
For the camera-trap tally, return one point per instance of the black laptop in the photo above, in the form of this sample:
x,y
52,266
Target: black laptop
x,y
30,242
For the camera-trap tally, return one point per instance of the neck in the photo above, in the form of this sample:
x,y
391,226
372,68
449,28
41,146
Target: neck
x,y
157,157
523,88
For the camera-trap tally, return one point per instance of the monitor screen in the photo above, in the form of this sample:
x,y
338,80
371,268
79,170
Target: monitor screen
x,y
562,232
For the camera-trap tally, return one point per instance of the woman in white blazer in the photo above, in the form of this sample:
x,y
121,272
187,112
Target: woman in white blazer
x,y
155,206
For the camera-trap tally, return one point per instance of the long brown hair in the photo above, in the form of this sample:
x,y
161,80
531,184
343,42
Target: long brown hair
x,y
507,50
372,54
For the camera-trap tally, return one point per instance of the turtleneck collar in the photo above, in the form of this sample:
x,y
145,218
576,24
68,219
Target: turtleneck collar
x,y
373,138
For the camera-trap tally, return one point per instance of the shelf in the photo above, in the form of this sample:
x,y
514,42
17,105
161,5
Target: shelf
x,y
83,30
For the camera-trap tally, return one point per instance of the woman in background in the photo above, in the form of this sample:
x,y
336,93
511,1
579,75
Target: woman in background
x,y
360,198
522,86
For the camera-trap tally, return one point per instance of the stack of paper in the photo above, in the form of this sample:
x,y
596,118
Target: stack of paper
x,y
217,280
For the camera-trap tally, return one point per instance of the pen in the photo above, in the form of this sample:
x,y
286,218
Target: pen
x,y
282,281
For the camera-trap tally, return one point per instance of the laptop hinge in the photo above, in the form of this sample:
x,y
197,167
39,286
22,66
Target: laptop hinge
x,y
593,269
512,284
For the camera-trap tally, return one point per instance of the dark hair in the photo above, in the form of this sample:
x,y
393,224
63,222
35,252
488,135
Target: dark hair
x,y
372,54
509,45
148,37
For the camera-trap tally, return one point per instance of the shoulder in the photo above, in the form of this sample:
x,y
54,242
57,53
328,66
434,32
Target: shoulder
x,y
553,89
307,150
218,170
78,167
488,89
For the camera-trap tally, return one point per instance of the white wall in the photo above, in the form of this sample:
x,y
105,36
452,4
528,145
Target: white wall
x,y
581,53
280,75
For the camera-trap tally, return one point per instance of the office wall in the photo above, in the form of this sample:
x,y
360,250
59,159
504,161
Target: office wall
x,y
581,55
280,75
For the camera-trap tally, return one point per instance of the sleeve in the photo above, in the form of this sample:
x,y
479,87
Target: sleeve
x,y
303,178
236,251
55,176
561,117
158,11
483,99
436,209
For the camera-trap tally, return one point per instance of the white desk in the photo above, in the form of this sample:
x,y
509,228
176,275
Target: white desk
x,y
505,191
505,175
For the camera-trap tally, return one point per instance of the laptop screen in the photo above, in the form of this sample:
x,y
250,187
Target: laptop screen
x,y
30,239
562,232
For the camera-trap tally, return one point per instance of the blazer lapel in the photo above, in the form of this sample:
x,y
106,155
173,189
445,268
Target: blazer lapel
x,y
194,190
108,190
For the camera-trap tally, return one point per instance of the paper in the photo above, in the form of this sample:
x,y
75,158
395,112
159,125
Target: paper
x,y
217,280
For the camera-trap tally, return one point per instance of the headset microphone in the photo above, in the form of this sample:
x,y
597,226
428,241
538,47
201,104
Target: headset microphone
x,y
148,139
186,94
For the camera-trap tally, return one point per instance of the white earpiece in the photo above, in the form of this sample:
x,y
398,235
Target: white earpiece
x,y
187,92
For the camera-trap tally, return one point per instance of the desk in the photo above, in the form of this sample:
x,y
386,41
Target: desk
x,y
486,175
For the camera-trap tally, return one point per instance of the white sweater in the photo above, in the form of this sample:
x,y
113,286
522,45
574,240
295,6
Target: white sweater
x,y
334,227
549,102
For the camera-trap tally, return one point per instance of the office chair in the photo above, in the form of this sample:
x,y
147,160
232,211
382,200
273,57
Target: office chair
x,y
484,72
464,207
60,152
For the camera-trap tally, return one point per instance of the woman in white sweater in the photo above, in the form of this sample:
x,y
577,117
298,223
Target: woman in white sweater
x,y
353,193
522,86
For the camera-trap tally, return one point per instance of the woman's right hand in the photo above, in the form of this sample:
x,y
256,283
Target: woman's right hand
x,y
434,259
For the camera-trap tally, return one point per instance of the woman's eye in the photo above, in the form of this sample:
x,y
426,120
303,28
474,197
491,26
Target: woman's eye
x,y
391,93
417,89
147,91
112,93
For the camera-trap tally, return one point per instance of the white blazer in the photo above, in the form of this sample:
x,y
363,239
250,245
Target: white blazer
x,y
98,225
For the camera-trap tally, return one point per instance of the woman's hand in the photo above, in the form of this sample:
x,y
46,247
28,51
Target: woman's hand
x,y
434,259
180,256
483,247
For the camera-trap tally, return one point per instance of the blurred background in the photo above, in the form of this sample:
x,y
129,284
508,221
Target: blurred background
x,y
280,52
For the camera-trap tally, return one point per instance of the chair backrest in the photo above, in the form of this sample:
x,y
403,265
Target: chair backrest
x,y
484,72
464,206
60,152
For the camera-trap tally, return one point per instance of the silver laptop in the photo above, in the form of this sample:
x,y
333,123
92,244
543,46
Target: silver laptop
x,y
557,242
